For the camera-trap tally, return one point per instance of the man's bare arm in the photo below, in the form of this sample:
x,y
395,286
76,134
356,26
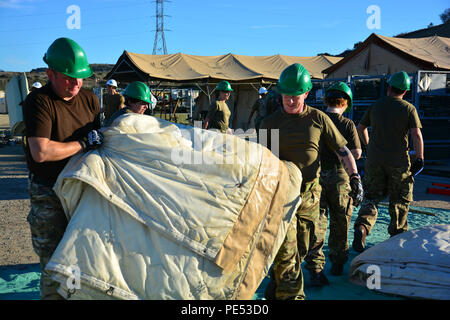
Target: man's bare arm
x,y
363,134
356,153
416,136
348,161
44,149
205,125
352,170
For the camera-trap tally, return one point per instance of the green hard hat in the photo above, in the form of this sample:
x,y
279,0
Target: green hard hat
x,y
400,80
224,86
337,89
294,80
138,90
66,56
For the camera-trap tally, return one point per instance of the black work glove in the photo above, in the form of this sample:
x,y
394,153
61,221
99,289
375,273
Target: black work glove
x,y
357,190
92,140
416,167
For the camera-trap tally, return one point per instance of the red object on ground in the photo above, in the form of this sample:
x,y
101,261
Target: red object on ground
x,y
438,191
441,185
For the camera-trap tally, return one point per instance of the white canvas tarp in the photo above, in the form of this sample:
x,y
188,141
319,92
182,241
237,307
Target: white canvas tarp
x,y
164,211
414,264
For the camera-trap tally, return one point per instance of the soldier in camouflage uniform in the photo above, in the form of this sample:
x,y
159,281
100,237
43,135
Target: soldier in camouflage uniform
x,y
260,107
387,168
61,120
137,100
47,224
335,199
300,131
218,116
273,101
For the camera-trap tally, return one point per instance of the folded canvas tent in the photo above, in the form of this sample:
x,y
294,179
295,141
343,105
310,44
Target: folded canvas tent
x,y
164,211
414,264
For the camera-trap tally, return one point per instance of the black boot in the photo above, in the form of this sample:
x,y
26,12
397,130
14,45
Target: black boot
x,y
318,279
359,238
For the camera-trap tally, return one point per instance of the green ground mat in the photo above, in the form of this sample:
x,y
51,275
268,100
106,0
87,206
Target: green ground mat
x,y
21,282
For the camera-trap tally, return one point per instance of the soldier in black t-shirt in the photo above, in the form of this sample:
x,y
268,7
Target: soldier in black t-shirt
x,y
61,119
335,189
387,167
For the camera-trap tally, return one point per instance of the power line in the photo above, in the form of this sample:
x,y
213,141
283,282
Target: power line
x,y
84,24
60,12
128,35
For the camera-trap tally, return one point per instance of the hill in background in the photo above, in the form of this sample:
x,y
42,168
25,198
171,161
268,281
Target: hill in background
x,y
38,74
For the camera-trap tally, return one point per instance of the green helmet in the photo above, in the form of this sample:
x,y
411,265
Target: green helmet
x,y
343,90
400,80
66,56
138,90
294,80
224,86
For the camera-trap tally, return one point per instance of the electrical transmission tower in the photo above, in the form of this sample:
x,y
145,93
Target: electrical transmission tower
x,y
159,46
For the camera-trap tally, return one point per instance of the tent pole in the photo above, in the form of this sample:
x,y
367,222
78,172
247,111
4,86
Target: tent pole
x,y
198,86
254,87
208,94
416,94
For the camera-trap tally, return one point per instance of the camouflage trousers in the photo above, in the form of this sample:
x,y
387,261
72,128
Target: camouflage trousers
x,y
382,181
47,223
286,279
335,204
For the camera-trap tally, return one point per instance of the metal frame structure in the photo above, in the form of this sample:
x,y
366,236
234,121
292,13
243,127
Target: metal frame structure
x,y
160,39
438,117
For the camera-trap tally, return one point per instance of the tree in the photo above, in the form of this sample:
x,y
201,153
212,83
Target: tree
x,y
355,45
445,16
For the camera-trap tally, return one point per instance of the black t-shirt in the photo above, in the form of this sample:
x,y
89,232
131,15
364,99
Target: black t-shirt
x,y
46,115
299,138
347,128
391,119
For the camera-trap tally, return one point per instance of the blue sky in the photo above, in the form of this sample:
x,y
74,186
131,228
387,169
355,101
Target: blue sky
x,y
202,27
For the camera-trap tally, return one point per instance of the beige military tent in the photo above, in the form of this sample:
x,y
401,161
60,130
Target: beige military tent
x,y
180,67
386,55
245,73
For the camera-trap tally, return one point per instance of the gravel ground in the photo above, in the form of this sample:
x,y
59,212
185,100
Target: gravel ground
x,y
15,241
